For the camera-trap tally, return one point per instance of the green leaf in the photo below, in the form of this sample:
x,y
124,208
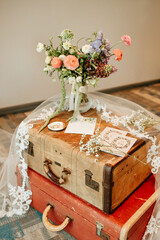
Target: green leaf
x,y
81,60
84,56
95,34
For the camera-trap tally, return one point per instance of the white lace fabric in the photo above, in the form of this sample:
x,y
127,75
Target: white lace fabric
x,y
119,112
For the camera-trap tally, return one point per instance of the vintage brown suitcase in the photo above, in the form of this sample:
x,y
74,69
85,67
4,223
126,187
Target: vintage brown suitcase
x,y
105,184
84,221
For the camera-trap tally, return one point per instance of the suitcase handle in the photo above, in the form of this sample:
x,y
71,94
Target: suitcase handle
x,y
49,225
51,175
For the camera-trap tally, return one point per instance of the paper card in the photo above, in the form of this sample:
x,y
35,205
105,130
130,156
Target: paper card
x,y
82,126
118,144
109,132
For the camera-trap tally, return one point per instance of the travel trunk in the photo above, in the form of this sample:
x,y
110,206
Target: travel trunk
x,y
105,183
128,222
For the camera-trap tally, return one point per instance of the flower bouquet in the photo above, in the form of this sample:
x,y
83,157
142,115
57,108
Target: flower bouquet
x,y
80,67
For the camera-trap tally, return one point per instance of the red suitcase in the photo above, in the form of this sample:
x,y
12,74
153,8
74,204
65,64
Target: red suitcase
x,y
88,222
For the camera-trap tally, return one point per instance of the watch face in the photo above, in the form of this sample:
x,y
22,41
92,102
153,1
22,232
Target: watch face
x,y
56,126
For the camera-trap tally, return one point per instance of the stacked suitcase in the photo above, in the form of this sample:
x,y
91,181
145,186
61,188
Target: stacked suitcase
x,y
100,198
128,222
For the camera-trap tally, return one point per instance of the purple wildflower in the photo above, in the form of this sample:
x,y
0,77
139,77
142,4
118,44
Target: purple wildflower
x,y
107,54
96,44
103,41
107,45
100,35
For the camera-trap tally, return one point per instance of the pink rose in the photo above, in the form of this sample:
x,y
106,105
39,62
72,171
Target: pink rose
x,y
56,62
118,53
126,39
71,62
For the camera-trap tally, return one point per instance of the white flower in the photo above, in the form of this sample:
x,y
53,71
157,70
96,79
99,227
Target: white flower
x,y
83,89
79,79
66,45
93,82
48,68
40,47
62,57
53,79
87,81
67,35
71,51
48,60
71,80
86,48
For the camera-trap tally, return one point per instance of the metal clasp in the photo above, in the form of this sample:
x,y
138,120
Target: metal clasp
x,y
99,228
90,182
30,149
100,232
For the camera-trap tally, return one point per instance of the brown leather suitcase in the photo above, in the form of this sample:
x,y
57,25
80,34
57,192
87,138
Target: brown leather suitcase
x,y
105,184
84,221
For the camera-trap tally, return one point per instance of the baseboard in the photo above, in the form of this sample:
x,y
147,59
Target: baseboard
x,y
31,106
134,85
19,108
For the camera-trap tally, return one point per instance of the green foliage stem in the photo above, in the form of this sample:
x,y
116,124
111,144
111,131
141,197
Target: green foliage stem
x,y
76,111
63,91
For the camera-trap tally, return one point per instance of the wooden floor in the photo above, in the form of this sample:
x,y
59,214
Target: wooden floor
x,y
146,96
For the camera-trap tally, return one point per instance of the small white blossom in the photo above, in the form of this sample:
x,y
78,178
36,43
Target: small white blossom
x,y
71,80
66,45
53,79
93,82
40,47
79,79
71,51
62,57
87,81
81,149
45,69
67,35
86,48
48,68
48,60
81,142
83,89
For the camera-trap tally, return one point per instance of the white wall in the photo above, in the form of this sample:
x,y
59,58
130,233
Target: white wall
x,y
24,23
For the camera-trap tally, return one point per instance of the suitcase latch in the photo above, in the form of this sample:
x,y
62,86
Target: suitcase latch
x,y
100,233
90,182
30,150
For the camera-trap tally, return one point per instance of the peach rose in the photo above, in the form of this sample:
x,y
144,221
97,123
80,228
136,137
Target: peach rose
x,y
126,39
56,62
71,62
118,53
